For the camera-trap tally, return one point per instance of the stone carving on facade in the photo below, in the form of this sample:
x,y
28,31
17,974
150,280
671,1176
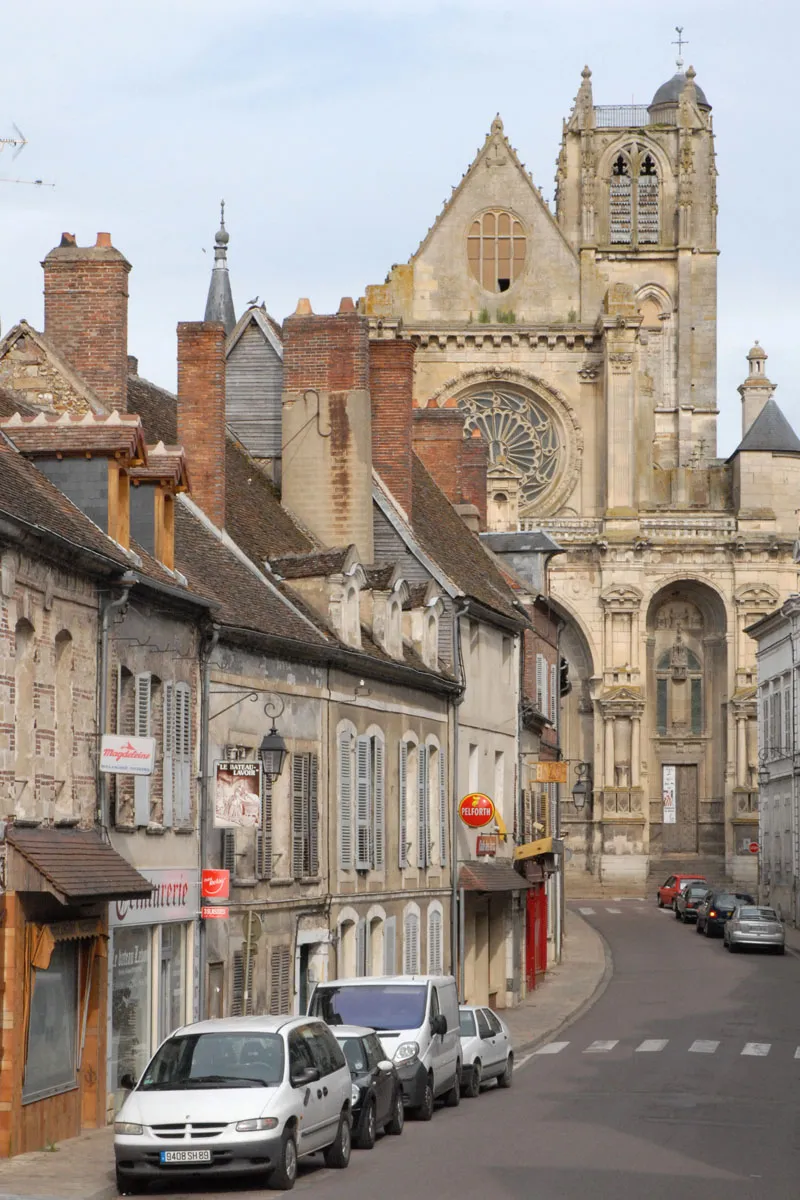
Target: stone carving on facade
x,y
679,658
678,615
621,364
759,595
589,373
621,597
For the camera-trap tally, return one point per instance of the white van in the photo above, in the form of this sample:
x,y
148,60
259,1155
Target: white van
x,y
416,1018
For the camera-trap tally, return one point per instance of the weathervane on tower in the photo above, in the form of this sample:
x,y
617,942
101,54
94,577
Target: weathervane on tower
x,y
680,42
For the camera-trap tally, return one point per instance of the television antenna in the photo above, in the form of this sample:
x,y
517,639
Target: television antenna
x,y
19,142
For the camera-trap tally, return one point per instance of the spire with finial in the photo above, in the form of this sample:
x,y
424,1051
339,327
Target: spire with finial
x,y
219,305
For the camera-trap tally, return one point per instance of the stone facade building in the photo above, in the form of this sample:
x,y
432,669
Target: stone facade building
x,y
580,345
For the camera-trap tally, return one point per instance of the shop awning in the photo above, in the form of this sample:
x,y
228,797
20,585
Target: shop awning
x,y
534,849
74,865
491,877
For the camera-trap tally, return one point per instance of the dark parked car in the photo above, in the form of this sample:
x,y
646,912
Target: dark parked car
x,y
687,901
377,1099
715,910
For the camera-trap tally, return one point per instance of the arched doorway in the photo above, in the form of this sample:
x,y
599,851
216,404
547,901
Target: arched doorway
x,y
687,689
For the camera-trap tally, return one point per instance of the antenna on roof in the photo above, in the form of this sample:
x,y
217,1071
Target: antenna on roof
x,y
19,142
680,42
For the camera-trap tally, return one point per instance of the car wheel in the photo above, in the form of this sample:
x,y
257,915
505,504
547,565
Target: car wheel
x,y
697,926
473,1085
677,914
732,948
504,1080
395,1126
660,901
453,1098
127,1185
424,1111
780,949
337,1155
282,1177
364,1136
707,930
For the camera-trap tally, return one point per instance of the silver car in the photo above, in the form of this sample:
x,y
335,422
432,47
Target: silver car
x,y
486,1051
754,925
238,1096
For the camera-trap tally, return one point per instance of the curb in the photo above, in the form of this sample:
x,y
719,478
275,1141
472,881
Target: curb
x,y
107,1192
584,1005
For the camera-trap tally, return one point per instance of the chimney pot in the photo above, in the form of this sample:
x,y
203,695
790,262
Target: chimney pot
x,y
346,305
68,239
133,364
303,308
103,239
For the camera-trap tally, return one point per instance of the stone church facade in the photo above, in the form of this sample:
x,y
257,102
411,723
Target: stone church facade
x,y
580,344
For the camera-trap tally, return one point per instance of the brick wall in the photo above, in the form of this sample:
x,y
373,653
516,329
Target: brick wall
x,y
330,353
474,465
201,412
438,435
391,382
86,313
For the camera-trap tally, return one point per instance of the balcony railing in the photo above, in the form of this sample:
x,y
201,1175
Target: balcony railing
x,y
620,116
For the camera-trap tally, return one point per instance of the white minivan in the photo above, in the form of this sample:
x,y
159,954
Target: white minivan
x,y
416,1018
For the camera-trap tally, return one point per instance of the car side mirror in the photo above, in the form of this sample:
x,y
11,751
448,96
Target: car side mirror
x,y
439,1024
304,1077
385,1066
127,1082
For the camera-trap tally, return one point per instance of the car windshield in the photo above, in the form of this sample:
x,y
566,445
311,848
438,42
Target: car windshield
x,y
758,914
687,883
467,1023
695,889
380,1006
216,1060
355,1054
731,899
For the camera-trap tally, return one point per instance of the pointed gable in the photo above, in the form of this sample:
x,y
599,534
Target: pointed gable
x,y
254,383
770,432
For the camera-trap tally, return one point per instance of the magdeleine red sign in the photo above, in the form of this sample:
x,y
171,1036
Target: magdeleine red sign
x,y
215,884
476,810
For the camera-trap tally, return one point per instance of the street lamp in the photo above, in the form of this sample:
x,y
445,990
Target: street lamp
x,y
272,750
582,788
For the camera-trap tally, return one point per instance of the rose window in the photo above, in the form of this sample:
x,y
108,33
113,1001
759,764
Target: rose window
x,y
520,433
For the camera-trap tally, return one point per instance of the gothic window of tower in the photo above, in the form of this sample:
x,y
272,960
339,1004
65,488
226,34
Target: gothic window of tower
x,y
496,246
633,198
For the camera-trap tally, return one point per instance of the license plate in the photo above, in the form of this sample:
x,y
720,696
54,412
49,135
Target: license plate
x,y
185,1156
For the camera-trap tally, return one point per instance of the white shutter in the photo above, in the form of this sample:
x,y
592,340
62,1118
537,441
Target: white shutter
x,y
345,802
423,830
553,693
313,815
299,814
361,948
264,834
434,942
402,784
363,804
442,809
378,806
229,851
540,683
141,718
182,768
168,750
411,944
390,946
118,722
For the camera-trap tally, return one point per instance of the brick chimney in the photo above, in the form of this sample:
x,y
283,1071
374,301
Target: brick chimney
x,y
327,426
201,412
86,313
438,435
391,385
474,466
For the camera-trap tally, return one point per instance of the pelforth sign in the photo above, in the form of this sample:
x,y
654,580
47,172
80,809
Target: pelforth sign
x,y
476,810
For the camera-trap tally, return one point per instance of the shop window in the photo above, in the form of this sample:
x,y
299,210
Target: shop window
x,y
172,979
215,1000
52,1025
305,816
131,1002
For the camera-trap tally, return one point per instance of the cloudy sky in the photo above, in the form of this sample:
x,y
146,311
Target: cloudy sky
x,y
335,128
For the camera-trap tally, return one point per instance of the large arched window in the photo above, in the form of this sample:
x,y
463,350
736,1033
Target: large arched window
x,y
496,250
633,211
679,690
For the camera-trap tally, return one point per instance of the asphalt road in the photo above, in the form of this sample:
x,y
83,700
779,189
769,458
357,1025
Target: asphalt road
x,y
689,1091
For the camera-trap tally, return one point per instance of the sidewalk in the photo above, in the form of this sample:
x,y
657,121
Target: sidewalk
x,y
566,990
82,1168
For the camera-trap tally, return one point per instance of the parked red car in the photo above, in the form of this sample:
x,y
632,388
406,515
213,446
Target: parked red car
x,y
670,888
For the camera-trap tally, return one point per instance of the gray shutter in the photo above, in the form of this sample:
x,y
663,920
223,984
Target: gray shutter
x,y
402,784
423,836
279,980
183,755
553,692
434,942
411,944
361,948
229,851
299,815
378,832
168,749
363,806
115,716
141,783
345,802
237,999
313,815
443,837
390,946
264,834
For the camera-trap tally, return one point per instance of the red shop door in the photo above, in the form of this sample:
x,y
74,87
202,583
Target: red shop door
x,y
536,935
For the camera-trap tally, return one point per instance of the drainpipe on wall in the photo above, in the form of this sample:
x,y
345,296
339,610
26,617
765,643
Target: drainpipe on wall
x,y
456,900
107,606
206,652
561,859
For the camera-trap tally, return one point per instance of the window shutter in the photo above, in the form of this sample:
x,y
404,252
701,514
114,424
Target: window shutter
x,y
141,783
264,834
553,693
182,770
229,851
378,832
168,748
237,999
363,805
423,832
442,809
115,715
540,683
411,944
361,948
402,783
313,815
345,802
279,980
435,942
390,946
299,813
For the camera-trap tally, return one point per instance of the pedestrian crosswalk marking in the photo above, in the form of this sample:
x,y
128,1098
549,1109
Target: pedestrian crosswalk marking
x,y
701,1047
601,1047
757,1049
614,910
652,1045
586,912
553,1048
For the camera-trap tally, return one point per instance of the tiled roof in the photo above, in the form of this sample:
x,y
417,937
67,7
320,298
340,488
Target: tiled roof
x,y
156,407
66,433
770,432
380,578
77,864
317,564
10,403
491,877
416,596
164,462
446,539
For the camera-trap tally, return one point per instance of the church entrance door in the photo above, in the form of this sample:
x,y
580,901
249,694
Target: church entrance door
x,y
680,836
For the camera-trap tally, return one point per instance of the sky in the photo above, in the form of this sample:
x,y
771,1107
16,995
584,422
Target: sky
x,y
334,130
